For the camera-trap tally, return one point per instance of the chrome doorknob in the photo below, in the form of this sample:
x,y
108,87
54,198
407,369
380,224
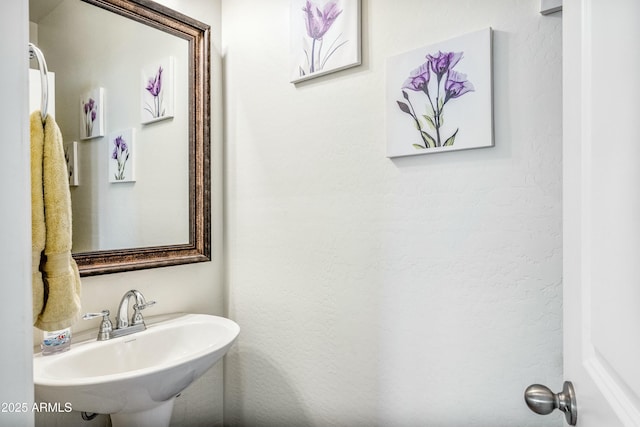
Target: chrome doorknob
x,y
543,401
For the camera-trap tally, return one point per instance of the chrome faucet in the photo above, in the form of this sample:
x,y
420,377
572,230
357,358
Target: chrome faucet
x,y
122,317
123,326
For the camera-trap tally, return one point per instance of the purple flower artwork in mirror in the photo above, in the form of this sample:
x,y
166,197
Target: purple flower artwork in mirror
x,y
121,156
157,91
71,158
450,80
92,114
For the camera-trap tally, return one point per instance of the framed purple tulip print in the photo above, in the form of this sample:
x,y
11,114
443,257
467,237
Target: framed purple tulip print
x,y
71,157
92,114
324,37
439,97
157,91
121,156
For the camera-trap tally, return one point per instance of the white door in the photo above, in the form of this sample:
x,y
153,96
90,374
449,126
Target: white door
x,y
601,203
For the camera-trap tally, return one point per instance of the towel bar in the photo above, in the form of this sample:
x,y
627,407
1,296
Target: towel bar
x,y
36,53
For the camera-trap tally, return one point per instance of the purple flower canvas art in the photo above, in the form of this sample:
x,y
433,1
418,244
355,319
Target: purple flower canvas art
x,y
318,22
450,80
120,151
120,155
71,158
92,114
447,84
325,36
157,91
154,87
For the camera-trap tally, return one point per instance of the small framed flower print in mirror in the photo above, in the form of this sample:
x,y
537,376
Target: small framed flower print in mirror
x,y
157,92
121,156
439,97
92,114
71,157
325,37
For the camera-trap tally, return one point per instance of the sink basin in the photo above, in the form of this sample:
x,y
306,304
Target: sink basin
x,y
135,378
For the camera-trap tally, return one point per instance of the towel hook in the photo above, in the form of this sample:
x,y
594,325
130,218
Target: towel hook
x,y
36,53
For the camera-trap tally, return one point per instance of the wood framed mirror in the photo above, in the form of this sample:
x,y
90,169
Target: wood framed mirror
x,y
156,249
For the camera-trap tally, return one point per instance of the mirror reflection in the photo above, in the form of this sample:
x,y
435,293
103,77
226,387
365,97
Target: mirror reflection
x,y
127,103
100,58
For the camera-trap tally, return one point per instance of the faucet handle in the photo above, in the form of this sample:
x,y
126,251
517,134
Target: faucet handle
x,y
104,333
89,316
137,318
144,305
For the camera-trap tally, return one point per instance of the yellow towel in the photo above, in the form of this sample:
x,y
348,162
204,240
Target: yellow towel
x,y
38,235
61,302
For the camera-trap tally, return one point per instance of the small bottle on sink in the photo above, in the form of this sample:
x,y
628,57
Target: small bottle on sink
x,y
54,342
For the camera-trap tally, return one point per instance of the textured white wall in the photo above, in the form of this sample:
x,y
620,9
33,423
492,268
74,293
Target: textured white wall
x,y
15,217
421,291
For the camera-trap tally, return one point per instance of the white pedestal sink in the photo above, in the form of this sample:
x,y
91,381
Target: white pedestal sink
x,y
135,378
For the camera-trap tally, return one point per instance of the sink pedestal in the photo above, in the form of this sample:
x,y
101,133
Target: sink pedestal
x,y
160,416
